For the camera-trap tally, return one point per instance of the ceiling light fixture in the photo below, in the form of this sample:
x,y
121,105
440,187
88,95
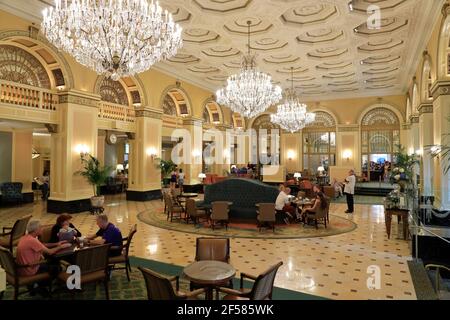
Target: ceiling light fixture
x,y
114,38
292,115
250,92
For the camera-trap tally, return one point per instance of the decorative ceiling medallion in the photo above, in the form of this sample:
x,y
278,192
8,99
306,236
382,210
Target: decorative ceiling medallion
x,y
320,36
380,59
342,83
298,69
179,14
337,65
220,78
203,69
240,26
380,79
266,44
362,5
380,45
197,35
222,5
388,25
309,86
303,79
330,52
313,92
221,52
383,86
233,64
284,58
338,75
374,71
309,14
346,90
184,58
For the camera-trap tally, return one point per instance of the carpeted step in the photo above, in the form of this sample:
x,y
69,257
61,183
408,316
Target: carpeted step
x,y
421,280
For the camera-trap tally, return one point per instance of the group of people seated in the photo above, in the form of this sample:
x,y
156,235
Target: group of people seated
x,y
32,252
293,213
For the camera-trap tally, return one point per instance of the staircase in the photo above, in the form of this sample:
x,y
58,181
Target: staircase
x,y
372,189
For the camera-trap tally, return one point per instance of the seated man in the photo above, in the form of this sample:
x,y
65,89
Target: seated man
x,y
283,204
109,233
30,250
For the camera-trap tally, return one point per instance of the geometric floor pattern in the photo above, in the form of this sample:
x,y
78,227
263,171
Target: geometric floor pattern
x,y
334,267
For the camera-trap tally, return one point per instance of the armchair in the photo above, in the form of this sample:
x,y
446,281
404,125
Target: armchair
x,y
262,286
219,213
266,214
193,212
123,258
160,287
12,192
10,239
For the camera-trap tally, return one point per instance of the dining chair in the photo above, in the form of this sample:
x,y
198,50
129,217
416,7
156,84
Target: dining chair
x,y
10,239
46,233
219,213
93,264
319,216
13,278
266,215
193,212
123,258
160,287
174,209
262,286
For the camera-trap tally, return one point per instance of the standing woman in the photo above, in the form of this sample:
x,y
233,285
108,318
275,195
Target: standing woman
x,y
181,180
349,190
173,179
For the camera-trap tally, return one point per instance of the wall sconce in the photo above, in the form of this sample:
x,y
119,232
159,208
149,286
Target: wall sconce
x,y
151,152
196,153
60,88
290,154
347,154
321,169
435,150
82,149
419,152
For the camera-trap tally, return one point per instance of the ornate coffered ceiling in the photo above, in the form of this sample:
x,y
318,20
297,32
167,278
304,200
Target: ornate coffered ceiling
x,y
333,51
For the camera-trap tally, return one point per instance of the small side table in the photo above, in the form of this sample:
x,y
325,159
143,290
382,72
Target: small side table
x,y
401,213
2,282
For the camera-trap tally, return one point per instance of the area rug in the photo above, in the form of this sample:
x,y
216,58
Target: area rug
x,y
338,225
121,289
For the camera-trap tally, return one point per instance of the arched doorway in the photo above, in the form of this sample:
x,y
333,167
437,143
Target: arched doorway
x,y
380,139
265,142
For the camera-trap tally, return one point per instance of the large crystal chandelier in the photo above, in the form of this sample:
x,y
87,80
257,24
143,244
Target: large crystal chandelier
x,y
250,92
116,38
292,115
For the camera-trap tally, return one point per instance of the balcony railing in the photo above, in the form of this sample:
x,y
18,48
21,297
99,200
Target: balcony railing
x,y
27,96
112,111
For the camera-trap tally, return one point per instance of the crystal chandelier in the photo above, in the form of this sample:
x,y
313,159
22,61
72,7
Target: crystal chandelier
x,y
250,92
116,38
292,115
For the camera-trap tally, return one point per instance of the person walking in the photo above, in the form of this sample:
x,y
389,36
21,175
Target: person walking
x,y
349,190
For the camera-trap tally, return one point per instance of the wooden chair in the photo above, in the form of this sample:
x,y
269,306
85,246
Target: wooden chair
x,y
10,239
301,194
13,278
174,209
123,258
219,213
46,233
320,215
193,212
266,215
160,287
93,263
262,286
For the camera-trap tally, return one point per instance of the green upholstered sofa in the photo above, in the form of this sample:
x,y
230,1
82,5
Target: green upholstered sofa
x,y
244,193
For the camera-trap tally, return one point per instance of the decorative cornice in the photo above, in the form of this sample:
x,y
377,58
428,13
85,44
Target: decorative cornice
x,y
148,112
446,10
406,126
440,88
348,128
425,108
79,97
414,119
192,121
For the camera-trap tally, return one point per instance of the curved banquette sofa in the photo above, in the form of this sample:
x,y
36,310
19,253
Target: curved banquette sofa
x,y
244,193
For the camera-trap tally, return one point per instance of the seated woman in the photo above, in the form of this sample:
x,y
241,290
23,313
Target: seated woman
x,y
62,222
319,202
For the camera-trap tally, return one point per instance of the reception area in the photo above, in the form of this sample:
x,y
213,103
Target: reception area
x,y
224,150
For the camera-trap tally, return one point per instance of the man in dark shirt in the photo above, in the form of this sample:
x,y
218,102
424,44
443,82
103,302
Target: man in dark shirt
x,y
109,233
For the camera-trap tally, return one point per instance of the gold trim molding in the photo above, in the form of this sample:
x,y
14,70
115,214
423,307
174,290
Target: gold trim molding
x,y
440,88
79,97
425,108
348,128
147,112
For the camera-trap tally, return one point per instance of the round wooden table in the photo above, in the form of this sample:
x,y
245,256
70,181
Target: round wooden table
x,y
188,195
209,273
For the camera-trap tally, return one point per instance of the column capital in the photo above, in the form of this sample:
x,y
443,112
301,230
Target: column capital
x,y
149,112
425,108
79,97
414,119
406,126
445,10
440,88
192,121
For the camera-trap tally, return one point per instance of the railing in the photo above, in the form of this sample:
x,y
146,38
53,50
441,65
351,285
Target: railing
x,y
112,111
27,96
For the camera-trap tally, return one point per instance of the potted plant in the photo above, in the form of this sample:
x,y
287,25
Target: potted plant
x,y
96,175
166,167
403,171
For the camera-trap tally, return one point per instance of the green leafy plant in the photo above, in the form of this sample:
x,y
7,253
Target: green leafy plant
x,y
166,167
403,167
94,172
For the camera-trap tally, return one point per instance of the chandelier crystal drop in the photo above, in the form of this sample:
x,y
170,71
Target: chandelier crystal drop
x,y
250,92
117,38
292,115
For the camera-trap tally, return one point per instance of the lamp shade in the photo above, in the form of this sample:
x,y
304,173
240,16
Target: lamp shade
x,y
297,175
119,167
321,168
202,175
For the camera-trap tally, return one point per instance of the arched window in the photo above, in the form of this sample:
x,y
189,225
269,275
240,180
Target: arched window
x,y
319,142
212,113
415,100
169,106
262,151
17,65
237,121
380,137
113,91
408,108
176,99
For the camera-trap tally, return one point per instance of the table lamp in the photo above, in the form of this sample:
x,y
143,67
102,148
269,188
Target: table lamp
x,y
201,176
119,167
321,169
297,175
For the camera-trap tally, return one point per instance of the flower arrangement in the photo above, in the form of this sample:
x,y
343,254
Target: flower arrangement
x,y
403,170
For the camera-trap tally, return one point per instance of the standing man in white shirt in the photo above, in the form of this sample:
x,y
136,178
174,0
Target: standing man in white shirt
x,y
349,190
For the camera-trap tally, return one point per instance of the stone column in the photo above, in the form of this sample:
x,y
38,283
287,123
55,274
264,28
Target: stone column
x,y
414,144
291,151
348,140
22,164
144,175
426,141
192,150
77,131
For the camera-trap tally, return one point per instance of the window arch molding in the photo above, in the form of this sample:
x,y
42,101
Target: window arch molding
x,y
174,91
212,112
427,79
443,63
112,91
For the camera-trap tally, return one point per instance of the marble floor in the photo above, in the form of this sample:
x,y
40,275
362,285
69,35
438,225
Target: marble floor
x,y
334,267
